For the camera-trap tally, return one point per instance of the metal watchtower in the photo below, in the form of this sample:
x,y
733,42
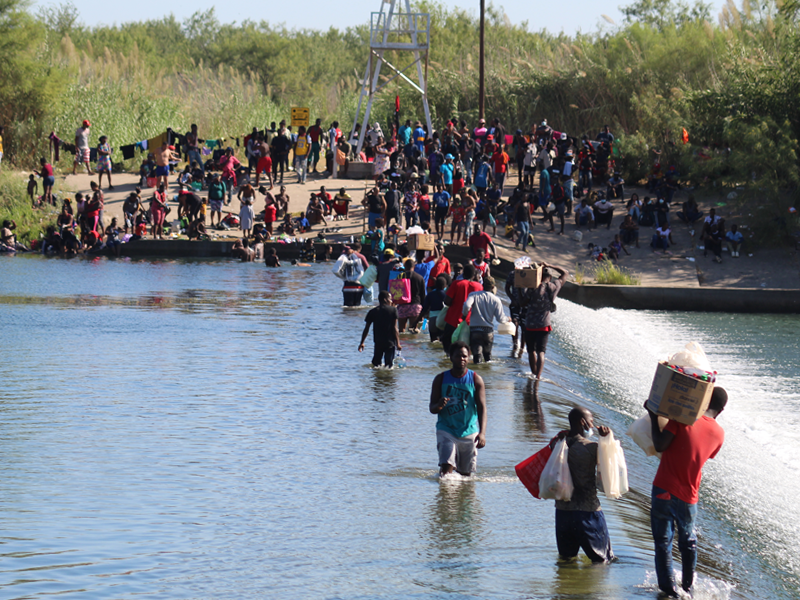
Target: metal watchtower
x,y
399,32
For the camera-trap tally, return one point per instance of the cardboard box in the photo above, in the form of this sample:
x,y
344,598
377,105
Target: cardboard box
x,y
421,241
677,396
528,278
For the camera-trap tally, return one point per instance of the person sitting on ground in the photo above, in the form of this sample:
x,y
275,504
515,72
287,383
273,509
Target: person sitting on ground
x,y
9,239
315,211
584,215
604,212
615,247
65,219
113,243
341,205
662,238
691,212
272,259
486,307
647,217
615,189
734,240
634,207
629,231
197,230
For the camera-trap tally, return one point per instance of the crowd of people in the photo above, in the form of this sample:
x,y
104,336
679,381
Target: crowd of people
x,y
445,182
423,284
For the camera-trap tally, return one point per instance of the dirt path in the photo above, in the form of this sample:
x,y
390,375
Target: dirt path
x,y
762,268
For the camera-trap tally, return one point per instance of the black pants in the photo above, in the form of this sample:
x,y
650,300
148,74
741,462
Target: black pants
x,y
383,352
352,292
481,342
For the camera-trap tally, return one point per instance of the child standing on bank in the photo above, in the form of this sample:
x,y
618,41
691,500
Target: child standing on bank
x,y
33,187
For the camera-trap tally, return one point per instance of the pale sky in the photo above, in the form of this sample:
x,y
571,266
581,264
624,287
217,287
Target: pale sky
x,y
569,16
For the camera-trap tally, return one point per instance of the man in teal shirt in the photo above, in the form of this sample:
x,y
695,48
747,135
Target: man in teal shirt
x,y
458,396
405,133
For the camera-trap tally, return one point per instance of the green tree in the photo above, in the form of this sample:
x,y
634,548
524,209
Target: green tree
x,y
660,13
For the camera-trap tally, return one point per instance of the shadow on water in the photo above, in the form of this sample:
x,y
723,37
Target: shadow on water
x,y
454,530
533,419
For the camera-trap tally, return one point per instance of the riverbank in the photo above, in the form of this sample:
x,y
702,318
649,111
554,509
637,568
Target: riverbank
x,y
685,266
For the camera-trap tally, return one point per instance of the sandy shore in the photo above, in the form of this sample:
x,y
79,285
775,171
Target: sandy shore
x,y
768,268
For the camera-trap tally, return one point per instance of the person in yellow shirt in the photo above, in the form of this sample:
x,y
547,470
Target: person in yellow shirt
x,y
301,148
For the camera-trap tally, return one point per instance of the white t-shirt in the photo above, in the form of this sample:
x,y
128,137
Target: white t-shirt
x,y
663,232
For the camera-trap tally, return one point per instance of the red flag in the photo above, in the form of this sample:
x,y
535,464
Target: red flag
x,y
685,136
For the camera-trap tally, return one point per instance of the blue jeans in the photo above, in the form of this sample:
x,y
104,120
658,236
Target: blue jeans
x,y
659,242
524,230
666,513
194,155
585,179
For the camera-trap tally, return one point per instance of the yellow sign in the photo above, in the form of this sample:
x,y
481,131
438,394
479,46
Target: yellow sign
x,y
299,117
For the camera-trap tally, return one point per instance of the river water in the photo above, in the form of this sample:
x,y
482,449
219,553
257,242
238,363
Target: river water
x,y
207,429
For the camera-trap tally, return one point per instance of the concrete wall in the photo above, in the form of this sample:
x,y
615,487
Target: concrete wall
x,y
705,299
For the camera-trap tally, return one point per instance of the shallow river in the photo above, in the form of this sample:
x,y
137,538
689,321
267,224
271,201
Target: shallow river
x,y
207,429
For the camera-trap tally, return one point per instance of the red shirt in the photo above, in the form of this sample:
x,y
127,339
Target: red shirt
x,y
442,267
480,241
682,463
270,212
459,292
500,161
47,170
314,132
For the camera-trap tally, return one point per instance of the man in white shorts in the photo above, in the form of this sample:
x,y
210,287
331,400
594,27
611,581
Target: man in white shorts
x,y
82,147
458,397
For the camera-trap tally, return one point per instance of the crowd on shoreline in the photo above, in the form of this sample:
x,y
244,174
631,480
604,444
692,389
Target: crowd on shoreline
x,y
445,180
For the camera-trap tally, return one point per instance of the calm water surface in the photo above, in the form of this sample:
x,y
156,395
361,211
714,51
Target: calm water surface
x,y
207,429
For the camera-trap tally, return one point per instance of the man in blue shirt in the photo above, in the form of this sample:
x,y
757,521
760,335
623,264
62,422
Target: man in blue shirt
x,y
419,137
441,206
458,397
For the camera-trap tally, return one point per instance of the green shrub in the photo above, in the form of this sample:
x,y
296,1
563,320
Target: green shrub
x,y
16,206
611,274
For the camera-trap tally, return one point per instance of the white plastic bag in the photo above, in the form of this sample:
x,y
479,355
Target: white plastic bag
x,y
641,432
612,465
507,328
556,480
692,356
338,266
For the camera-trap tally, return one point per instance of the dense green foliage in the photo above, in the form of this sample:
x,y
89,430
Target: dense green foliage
x,y
733,85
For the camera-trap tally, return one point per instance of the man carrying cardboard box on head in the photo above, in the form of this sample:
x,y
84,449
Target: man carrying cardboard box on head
x,y
540,302
685,449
